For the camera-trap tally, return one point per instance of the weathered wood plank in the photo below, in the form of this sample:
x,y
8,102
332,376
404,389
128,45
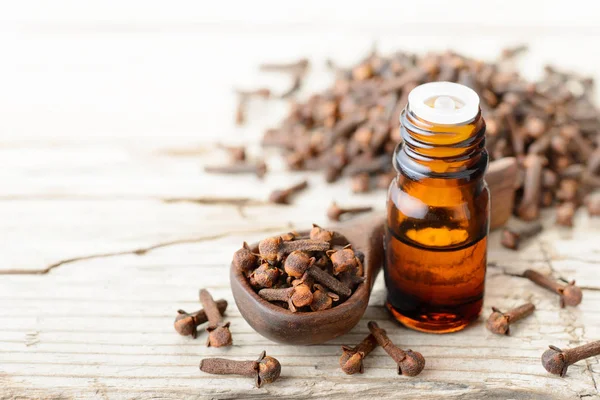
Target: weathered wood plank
x,y
108,322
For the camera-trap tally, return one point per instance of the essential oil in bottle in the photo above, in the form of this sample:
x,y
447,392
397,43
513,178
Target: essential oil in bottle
x,y
438,211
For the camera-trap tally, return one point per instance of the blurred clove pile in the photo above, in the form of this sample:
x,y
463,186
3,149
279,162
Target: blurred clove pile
x,y
552,126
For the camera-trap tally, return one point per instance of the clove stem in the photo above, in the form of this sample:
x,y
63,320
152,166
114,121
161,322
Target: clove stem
x,y
570,295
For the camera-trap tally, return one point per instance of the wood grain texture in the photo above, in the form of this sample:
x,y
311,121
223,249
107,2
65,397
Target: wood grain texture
x,y
108,224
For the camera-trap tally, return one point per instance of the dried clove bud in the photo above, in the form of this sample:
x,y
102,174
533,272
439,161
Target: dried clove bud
x,y
274,249
303,295
556,361
322,298
351,360
244,259
570,295
265,370
296,296
288,237
320,234
499,322
186,324
410,363
264,276
334,212
343,260
297,262
218,332
511,238
282,196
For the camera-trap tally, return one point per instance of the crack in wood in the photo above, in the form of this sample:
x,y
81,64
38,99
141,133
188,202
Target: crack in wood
x,y
503,271
141,251
589,368
494,264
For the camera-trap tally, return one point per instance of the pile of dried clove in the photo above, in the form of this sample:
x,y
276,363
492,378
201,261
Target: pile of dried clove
x,y
311,273
550,126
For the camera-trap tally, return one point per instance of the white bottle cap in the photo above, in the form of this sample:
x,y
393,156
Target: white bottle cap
x,y
444,103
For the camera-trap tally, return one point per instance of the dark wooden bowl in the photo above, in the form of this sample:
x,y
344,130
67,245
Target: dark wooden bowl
x,y
283,326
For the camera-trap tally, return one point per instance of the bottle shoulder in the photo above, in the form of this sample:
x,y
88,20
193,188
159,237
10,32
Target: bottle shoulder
x,y
438,218
424,194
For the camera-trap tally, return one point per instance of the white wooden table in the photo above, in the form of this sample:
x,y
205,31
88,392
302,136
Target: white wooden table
x,y
108,224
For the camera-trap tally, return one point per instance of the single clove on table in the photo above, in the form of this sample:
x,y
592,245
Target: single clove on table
x,y
512,237
570,294
410,363
499,322
283,196
556,361
351,360
264,370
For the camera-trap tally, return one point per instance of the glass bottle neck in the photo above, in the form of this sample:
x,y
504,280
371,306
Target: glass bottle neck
x,y
441,151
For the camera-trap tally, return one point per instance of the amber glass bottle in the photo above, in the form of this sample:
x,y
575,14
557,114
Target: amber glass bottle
x,y
438,211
